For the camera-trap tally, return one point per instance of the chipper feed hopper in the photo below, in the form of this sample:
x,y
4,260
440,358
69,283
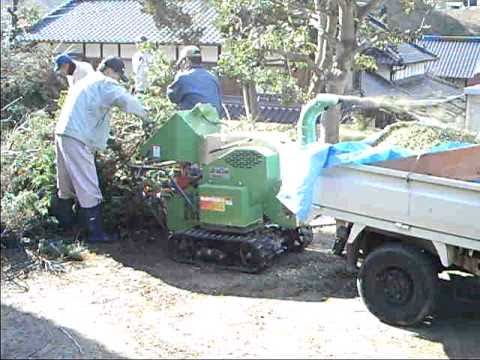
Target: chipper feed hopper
x,y
219,190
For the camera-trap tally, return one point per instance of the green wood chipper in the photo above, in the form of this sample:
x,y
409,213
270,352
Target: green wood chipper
x,y
218,190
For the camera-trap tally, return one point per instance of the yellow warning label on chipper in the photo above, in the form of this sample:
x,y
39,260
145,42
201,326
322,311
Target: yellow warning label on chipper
x,y
214,203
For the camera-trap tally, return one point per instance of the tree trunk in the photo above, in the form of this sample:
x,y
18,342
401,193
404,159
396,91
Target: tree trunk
x,y
328,128
327,28
338,78
250,100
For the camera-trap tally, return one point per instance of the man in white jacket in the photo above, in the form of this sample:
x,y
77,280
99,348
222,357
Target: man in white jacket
x,y
82,129
74,70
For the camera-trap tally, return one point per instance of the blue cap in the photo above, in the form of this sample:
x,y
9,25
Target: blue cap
x,y
62,59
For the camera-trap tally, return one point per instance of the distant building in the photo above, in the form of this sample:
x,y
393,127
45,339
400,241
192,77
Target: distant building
x,y
458,58
455,5
402,61
402,72
450,5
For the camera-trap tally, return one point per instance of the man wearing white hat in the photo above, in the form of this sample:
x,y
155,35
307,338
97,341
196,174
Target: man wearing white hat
x,y
194,84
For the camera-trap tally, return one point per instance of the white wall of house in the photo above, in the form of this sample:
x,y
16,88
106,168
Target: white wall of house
x,y
400,73
92,51
169,51
75,48
210,54
472,121
111,50
6,20
127,51
409,71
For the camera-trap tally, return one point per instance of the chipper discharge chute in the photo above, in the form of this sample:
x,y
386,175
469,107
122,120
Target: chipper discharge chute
x,y
219,190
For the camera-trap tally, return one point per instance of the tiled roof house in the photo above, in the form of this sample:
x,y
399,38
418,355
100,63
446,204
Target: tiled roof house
x,y
458,57
403,72
401,61
98,28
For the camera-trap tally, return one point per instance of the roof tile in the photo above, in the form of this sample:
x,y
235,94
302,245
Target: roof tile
x,y
458,58
117,21
404,53
269,111
417,87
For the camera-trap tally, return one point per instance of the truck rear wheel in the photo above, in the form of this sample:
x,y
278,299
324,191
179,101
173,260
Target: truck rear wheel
x,y
398,284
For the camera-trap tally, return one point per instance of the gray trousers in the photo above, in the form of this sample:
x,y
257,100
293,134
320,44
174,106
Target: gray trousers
x,y
76,172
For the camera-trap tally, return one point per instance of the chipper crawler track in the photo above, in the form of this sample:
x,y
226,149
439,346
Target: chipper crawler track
x,y
251,252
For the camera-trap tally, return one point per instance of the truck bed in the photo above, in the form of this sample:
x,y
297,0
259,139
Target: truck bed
x,y
427,197
460,164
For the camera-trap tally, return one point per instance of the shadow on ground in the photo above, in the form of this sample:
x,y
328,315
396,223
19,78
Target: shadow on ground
x,y
456,323
313,275
26,336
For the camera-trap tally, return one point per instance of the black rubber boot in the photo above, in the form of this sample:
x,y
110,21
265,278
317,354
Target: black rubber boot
x,y
93,222
62,210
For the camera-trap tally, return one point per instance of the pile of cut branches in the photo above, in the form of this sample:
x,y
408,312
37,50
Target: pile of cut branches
x,y
28,177
28,172
124,207
28,82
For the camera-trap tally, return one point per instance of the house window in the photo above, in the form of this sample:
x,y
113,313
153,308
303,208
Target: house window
x,y
71,48
110,50
169,51
127,51
92,51
209,53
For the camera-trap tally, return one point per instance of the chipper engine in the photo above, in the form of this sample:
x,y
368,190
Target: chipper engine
x,y
219,191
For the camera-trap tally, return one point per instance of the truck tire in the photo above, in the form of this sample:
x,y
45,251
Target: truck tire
x,y
398,284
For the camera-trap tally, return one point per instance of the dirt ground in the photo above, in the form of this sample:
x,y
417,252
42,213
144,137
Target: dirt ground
x,y
130,301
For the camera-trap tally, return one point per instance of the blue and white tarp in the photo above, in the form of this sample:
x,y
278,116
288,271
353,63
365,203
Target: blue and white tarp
x,y
301,166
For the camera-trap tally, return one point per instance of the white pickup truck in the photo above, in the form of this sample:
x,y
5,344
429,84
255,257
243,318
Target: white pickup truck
x,y
404,222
